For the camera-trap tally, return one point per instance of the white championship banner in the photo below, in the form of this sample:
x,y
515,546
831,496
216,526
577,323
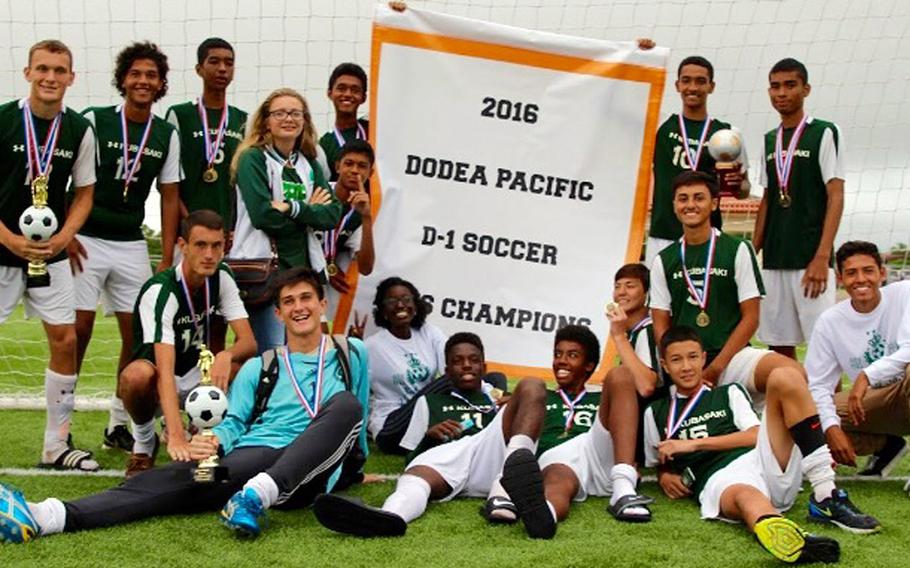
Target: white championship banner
x,y
513,170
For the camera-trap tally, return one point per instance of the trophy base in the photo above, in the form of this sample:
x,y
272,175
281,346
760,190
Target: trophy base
x,y
727,187
210,474
38,280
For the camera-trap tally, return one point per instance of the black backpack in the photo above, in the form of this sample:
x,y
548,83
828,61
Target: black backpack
x,y
351,470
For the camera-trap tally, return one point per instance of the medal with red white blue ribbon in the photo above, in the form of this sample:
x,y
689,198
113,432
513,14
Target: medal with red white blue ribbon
x,y
674,423
693,158
783,165
189,303
211,146
330,243
39,164
700,295
361,135
129,169
312,408
571,403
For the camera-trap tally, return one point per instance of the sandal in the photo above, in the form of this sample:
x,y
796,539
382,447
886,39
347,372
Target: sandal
x,y
73,460
618,509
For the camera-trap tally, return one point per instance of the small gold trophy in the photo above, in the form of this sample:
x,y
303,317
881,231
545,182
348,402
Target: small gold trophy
x,y
726,146
38,223
207,406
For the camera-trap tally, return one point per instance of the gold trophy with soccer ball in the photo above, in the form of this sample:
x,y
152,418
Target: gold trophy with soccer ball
x,y
206,406
725,147
38,223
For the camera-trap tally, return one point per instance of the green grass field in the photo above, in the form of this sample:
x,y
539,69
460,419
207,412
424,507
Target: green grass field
x,y
450,534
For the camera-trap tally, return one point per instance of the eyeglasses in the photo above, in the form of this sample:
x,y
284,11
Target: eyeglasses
x,y
283,114
392,302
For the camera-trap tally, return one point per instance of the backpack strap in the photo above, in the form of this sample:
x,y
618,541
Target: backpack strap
x,y
344,358
268,377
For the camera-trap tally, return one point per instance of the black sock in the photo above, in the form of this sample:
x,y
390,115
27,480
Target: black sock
x,y
808,435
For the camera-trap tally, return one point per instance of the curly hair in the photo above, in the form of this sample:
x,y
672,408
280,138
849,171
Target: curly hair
x,y
421,308
134,52
583,336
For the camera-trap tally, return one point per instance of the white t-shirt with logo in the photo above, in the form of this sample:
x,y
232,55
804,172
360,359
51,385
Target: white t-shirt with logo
x,y
846,341
401,367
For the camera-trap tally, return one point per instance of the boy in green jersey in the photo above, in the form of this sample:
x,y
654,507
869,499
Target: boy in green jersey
x,y
210,130
467,466
800,212
682,145
347,91
465,410
45,145
172,321
110,259
707,442
710,281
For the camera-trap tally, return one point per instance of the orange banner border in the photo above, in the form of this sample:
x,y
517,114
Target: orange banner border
x,y
654,76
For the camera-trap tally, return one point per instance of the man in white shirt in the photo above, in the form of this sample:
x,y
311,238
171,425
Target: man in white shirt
x,y
867,338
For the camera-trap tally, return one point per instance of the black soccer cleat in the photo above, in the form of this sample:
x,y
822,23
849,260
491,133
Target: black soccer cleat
x,y
118,439
522,479
351,516
882,462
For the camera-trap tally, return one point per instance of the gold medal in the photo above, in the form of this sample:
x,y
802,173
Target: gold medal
x,y
702,319
610,308
785,200
332,269
126,190
496,394
210,175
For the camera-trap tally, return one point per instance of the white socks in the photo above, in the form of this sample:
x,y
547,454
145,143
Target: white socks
x,y
817,468
50,515
265,487
410,498
520,441
624,478
118,415
59,394
144,437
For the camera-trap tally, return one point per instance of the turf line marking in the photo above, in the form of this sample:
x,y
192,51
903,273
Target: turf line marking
x,y
381,477
36,402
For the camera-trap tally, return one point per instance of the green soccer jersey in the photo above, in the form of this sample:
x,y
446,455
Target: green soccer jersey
x,y
113,217
330,143
723,410
195,192
162,314
670,160
455,405
735,278
792,234
73,157
555,430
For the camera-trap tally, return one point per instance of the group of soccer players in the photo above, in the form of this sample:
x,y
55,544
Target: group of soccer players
x,y
683,400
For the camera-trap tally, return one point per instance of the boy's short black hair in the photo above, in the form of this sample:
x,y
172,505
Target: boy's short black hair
x,y
357,146
696,60
689,177
851,248
637,271
293,276
790,64
463,337
677,334
583,336
211,43
351,69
